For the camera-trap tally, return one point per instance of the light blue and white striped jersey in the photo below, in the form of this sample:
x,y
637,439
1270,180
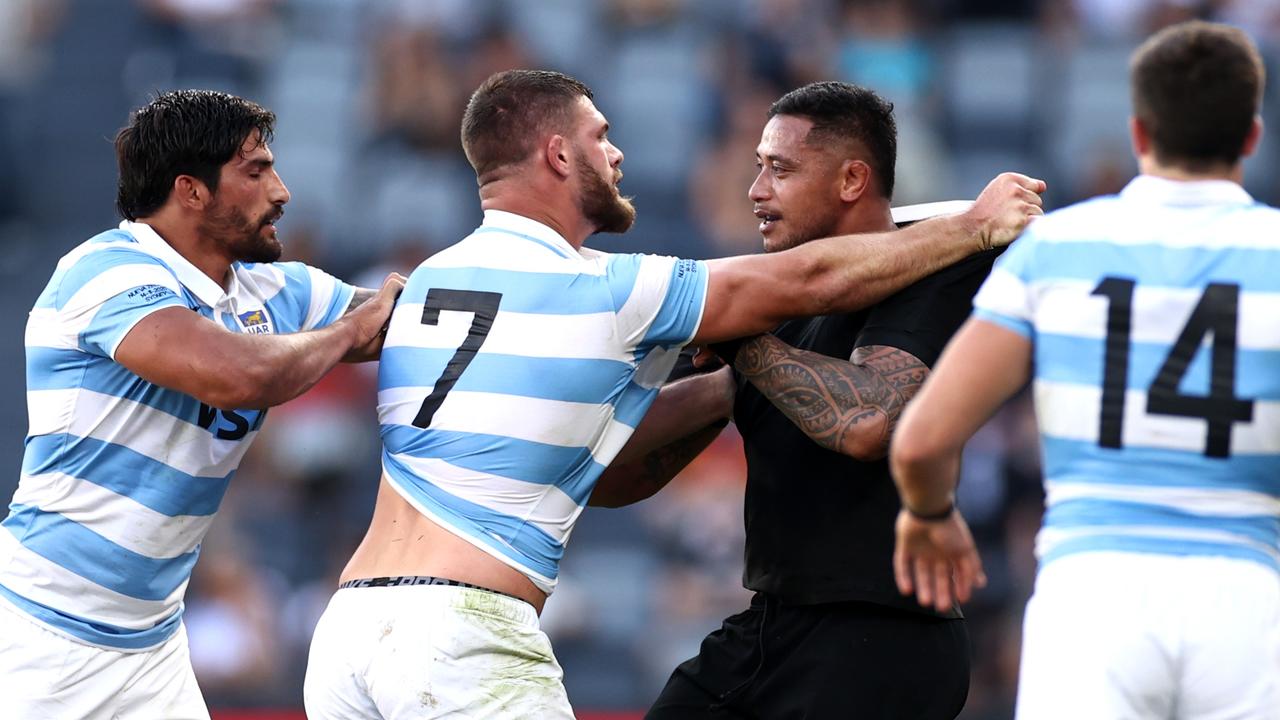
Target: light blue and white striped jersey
x,y
120,477
1155,321
514,370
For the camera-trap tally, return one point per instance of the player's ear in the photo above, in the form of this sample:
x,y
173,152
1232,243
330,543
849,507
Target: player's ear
x,y
1139,137
1253,138
557,155
855,177
191,192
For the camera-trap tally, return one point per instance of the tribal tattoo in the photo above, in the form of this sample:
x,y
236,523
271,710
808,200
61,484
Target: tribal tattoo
x,y
360,297
849,406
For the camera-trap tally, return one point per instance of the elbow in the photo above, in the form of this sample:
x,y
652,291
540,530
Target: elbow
x,y
869,443
239,389
913,453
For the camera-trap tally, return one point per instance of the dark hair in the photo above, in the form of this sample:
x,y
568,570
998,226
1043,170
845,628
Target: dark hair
x,y
184,132
1196,88
511,110
842,112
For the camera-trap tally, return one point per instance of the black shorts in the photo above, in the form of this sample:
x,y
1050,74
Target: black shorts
x,y
839,661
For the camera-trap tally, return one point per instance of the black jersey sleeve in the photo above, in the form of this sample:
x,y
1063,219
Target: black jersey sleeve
x,y
921,318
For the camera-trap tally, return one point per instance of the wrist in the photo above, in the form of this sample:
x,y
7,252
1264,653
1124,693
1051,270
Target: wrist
x,y
935,512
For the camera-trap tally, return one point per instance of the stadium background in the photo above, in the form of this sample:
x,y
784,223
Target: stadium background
x,y
369,96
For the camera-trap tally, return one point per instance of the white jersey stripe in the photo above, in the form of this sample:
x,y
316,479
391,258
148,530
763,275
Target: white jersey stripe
x,y
117,518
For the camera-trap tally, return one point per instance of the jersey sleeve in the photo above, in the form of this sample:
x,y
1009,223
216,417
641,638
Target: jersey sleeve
x,y
658,299
1005,298
921,318
318,297
106,293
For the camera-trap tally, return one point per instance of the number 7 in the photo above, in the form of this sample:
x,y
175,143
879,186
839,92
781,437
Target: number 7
x,y
485,307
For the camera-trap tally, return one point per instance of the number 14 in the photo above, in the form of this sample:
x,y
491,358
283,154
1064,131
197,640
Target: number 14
x,y
1216,312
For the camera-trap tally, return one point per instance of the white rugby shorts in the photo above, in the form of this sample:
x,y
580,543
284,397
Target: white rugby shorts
x,y
46,675
1138,636
431,651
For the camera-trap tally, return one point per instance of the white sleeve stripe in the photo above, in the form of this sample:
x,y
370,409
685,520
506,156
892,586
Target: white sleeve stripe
x,y
323,287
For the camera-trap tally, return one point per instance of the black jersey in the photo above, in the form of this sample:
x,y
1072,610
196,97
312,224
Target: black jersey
x,y
820,525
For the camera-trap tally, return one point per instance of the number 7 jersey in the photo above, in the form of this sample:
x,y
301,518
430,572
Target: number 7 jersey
x,y
514,370
1155,321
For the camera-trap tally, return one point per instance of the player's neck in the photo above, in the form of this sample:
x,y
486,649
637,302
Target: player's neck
x,y
1148,165
535,204
866,216
183,236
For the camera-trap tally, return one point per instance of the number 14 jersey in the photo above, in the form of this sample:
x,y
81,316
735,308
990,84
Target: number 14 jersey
x,y
514,370
1155,320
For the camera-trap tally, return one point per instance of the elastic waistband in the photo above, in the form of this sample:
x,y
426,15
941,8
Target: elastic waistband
x,y
400,580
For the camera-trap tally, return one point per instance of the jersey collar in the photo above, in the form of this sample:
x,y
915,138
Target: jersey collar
x,y
1186,193
200,285
529,229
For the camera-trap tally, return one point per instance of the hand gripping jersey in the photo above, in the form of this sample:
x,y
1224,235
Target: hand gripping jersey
x,y
120,477
514,370
1155,320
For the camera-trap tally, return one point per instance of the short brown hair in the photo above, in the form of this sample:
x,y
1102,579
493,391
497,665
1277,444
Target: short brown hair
x,y
1196,88
511,110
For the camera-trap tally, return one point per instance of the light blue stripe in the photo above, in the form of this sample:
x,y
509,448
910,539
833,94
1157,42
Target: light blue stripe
x,y
526,544
523,292
147,482
95,558
633,404
1157,546
59,369
525,460
49,296
1155,265
1018,325
95,632
1080,461
681,309
1097,512
1078,360
621,271
483,230
89,267
567,379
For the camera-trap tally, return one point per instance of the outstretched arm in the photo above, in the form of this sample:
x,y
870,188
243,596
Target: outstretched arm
x,y
848,406
752,294
935,557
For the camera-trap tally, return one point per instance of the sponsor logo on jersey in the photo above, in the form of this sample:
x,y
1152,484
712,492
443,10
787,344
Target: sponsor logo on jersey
x,y
255,322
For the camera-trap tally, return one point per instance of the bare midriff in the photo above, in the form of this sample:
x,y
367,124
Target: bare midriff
x,y
403,541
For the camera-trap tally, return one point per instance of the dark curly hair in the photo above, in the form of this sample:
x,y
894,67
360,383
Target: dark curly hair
x,y
184,132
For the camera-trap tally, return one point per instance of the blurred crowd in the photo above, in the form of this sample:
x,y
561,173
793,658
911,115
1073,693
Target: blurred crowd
x,y
369,96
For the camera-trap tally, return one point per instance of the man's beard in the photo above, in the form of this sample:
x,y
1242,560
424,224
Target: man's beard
x,y
242,237
600,202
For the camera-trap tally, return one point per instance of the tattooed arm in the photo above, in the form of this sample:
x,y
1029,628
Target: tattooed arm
x,y
630,482
359,297
849,406
683,421
371,350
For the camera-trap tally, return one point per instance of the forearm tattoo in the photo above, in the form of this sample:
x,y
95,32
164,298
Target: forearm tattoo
x,y
834,401
360,297
663,464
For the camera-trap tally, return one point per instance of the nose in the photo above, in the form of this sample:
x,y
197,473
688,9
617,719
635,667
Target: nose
x,y
759,190
279,193
617,155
